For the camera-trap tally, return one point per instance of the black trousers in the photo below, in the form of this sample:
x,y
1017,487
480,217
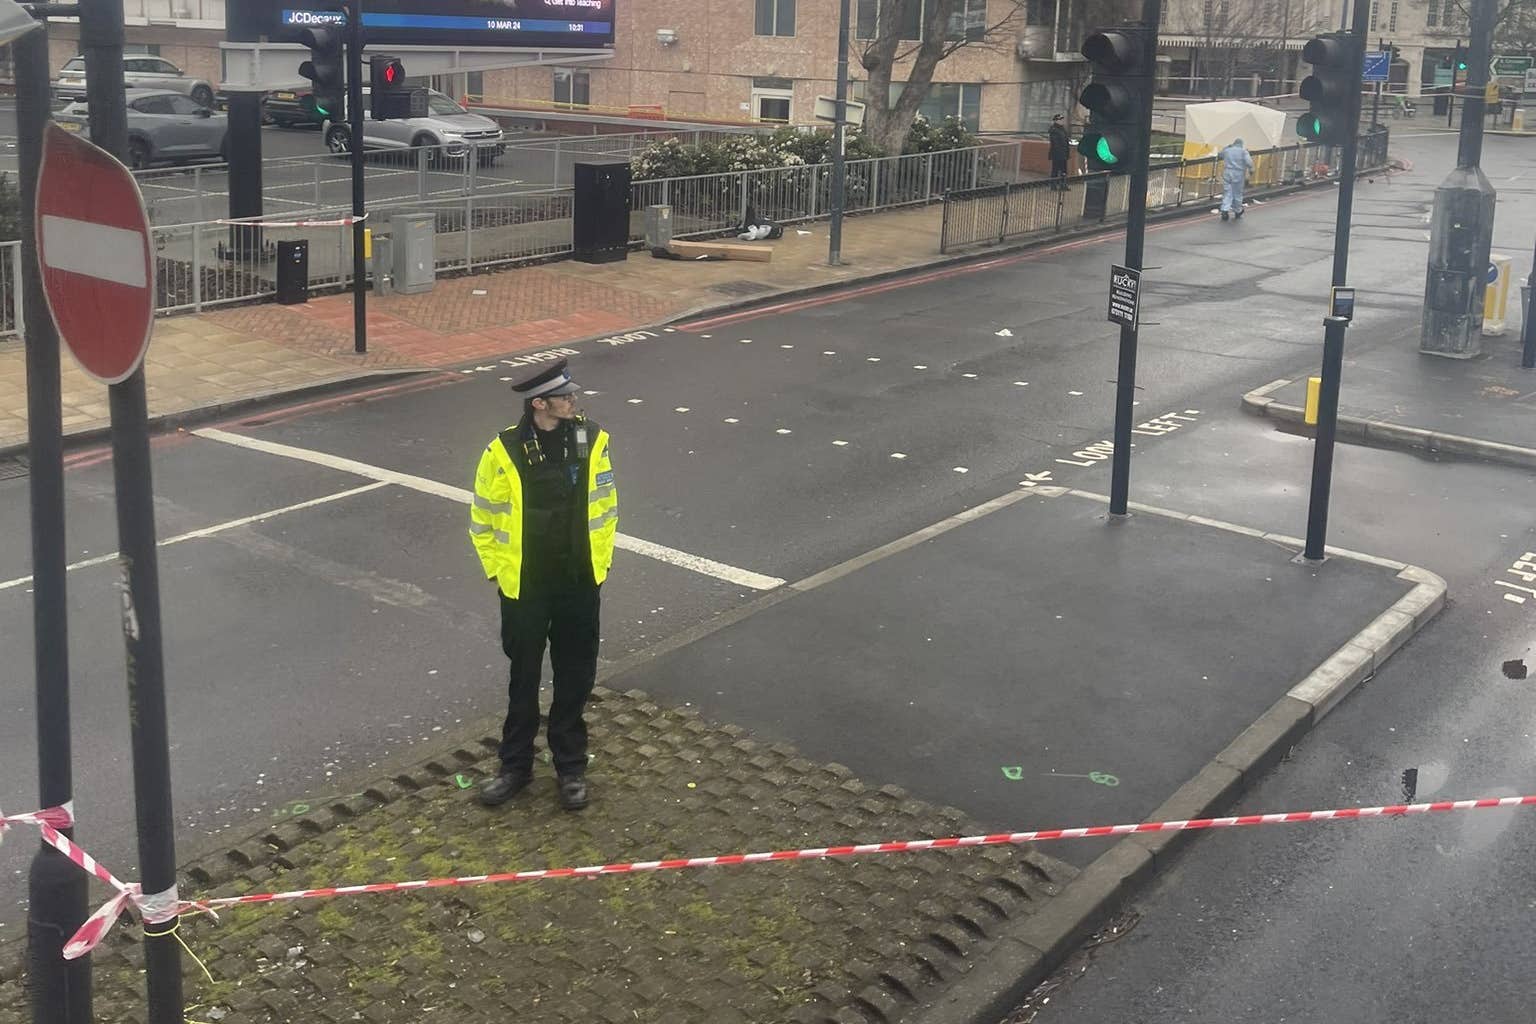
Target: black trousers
x,y
567,617
1059,170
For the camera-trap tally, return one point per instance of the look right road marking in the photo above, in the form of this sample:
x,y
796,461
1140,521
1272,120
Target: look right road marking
x,y
682,559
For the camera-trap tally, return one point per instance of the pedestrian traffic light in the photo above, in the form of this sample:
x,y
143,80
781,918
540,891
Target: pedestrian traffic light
x,y
388,98
1332,89
1118,99
325,69
1461,59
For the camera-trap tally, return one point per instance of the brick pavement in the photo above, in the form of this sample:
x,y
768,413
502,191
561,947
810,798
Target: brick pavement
x,y
818,941
249,352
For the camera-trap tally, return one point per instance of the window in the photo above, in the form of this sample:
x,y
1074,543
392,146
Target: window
x,y
1392,18
165,67
183,106
474,85
771,98
1040,12
153,105
75,64
1433,17
153,49
970,23
1374,5
443,106
949,99
573,87
775,18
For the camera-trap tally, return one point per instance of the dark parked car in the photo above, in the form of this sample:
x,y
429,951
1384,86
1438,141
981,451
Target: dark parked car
x,y
287,108
162,126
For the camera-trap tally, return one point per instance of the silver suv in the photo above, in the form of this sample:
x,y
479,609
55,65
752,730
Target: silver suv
x,y
140,71
448,132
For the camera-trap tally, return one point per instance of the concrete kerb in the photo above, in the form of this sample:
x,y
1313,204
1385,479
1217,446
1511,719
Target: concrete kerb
x,y
1040,943
200,414
1381,434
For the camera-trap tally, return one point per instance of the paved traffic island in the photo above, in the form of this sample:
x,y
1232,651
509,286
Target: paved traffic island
x,y
1392,396
1029,664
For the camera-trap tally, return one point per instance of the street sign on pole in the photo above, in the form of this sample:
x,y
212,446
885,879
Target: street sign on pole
x,y
1377,66
95,253
1511,66
1124,296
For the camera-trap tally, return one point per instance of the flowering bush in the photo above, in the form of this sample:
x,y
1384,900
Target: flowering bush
x,y
926,137
787,147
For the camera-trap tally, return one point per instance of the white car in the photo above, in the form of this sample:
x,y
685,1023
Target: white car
x,y
448,132
140,71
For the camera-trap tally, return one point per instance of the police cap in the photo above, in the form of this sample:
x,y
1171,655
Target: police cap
x,y
547,381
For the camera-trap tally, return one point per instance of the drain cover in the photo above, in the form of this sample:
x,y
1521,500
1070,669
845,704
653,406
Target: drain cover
x,y
741,288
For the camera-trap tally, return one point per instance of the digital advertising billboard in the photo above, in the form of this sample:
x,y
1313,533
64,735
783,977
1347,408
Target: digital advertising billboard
x,y
580,24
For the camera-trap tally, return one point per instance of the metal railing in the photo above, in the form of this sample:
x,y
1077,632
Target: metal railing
x,y
214,262
298,185
1008,212
710,203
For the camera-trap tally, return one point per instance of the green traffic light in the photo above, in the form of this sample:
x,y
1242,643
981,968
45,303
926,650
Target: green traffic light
x,y
1105,152
1461,65
1309,126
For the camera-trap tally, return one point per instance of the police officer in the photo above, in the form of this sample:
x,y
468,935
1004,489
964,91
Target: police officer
x,y
543,522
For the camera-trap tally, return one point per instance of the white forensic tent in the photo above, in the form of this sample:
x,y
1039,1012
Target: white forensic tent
x,y
1210,126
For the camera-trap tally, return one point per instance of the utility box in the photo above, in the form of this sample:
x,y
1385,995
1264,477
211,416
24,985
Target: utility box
x,y
415,251
383,265
600,211
293,272
658,226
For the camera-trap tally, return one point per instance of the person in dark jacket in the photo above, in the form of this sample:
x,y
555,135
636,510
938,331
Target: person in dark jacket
x,y
1061,152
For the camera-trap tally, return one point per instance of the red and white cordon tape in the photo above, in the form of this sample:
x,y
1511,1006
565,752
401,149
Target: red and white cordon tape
x,y
156,908
166,906
340,222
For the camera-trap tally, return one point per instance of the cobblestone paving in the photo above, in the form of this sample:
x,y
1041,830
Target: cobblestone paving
x,y
846,941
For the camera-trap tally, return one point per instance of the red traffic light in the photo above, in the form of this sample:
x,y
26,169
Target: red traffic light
x,y
391,74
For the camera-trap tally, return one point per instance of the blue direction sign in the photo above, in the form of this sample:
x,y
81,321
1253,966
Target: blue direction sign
x,y
1378,66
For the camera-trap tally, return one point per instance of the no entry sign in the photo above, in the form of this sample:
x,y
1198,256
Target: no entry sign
x,y
97,261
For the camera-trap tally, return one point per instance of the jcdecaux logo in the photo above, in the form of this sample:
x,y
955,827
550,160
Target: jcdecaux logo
x,y
314,18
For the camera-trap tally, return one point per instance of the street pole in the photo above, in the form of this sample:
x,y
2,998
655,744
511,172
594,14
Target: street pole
x,y
1376,102
101,36
839,139
1135,244
56,890
1450,98
1333,326
1528,324
355,121
1469,148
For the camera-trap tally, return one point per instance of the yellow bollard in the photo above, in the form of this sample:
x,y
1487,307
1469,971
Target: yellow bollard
x,y
1314,390
367,243
1496,298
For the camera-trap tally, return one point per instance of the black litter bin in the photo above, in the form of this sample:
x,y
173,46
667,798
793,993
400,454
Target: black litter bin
x,y
293,272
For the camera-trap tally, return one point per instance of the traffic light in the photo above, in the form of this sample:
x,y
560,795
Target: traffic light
x,y
1118,99
325,69
1461,59
388,96
1332,89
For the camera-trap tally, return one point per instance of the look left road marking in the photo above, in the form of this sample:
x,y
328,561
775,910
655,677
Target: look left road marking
x,y
682,559
209,531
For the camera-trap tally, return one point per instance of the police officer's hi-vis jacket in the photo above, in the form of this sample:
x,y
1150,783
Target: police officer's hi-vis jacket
x,y
496,512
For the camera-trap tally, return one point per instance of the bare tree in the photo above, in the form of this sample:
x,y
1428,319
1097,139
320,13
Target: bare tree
x,y
1241,38
944,26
